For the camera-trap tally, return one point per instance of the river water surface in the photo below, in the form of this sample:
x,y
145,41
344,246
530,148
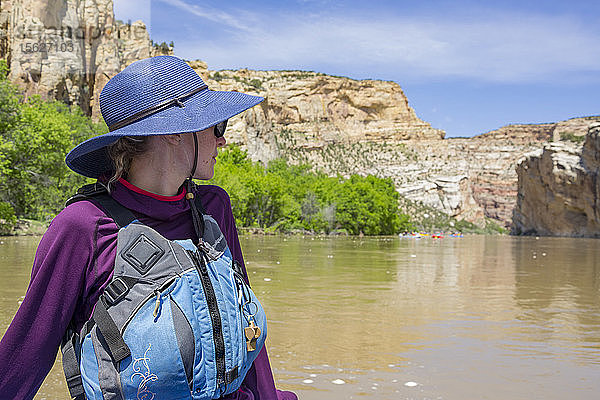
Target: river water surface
x,y
479,317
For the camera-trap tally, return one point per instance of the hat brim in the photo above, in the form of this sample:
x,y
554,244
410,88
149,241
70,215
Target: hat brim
x,y
200,111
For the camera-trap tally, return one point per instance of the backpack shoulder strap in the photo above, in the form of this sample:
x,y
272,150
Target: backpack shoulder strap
x,y
98,193
70,347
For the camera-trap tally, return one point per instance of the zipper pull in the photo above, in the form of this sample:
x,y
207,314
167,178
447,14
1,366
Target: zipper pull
x,y
240,297
157,304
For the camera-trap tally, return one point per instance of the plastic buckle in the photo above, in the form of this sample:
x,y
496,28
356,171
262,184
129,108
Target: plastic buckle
x,y
115,291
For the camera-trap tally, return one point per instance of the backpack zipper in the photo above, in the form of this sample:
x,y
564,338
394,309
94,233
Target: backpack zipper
x,y
155,293
215,316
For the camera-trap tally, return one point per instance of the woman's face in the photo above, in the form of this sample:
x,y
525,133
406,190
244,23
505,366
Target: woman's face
x,y
207,152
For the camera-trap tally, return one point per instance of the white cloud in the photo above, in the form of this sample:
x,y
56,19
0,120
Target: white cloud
x,y
502,48
213,14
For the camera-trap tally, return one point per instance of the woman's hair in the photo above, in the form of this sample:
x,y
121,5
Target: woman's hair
x,y
122,153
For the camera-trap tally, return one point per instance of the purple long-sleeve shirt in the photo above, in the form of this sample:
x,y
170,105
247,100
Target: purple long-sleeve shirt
x,y
74,262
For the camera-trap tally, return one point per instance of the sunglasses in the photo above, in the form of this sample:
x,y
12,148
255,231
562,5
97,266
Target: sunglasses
x,y
220,129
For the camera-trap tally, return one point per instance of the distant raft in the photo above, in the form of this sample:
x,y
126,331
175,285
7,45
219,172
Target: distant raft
x,y
421,235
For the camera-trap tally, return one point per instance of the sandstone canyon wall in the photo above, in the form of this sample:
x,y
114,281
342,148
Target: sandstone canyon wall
x,y
67,50
307,110
559,189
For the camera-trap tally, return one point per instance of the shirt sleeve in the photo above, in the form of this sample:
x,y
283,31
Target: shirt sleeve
x,y
259,379
29,346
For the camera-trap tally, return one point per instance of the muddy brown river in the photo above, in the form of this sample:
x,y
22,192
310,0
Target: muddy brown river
x,y
478,317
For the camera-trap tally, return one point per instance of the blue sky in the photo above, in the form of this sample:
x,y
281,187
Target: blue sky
x,y
466,66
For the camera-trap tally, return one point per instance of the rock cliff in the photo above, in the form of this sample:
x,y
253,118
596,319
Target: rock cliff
x,y
573,129
305,110
67,50
559,189
469,179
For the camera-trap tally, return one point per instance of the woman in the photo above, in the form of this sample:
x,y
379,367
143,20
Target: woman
x,y
165,127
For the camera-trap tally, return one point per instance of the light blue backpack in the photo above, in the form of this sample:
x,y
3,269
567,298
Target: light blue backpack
x,y
175,322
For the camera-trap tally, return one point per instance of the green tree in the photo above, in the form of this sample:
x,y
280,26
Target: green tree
x,y
37,181
368,205
7,218
9,114
288,197
35,136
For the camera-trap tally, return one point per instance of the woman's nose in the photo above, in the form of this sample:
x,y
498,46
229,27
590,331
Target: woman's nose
x,y
221,141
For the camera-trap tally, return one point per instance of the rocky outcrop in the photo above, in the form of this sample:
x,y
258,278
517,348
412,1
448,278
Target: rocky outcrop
x,y
521,133
559,189
573,129
67,50
451,195
465,178
309,110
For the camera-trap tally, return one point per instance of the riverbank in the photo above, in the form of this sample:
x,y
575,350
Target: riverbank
x,y
29,227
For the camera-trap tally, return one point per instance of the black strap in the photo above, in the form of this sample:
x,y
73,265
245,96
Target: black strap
x,y
195,135
86,191
197,215
121,215
98,193
70,361
118,289
117,348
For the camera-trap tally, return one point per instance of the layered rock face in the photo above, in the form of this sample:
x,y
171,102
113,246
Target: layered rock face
x,y
574,128
559,189
522,133
309,110
571,129
469,179
67,50
465,178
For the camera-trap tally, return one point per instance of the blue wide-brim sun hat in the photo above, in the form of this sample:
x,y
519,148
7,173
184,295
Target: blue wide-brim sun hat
x,y
161,95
